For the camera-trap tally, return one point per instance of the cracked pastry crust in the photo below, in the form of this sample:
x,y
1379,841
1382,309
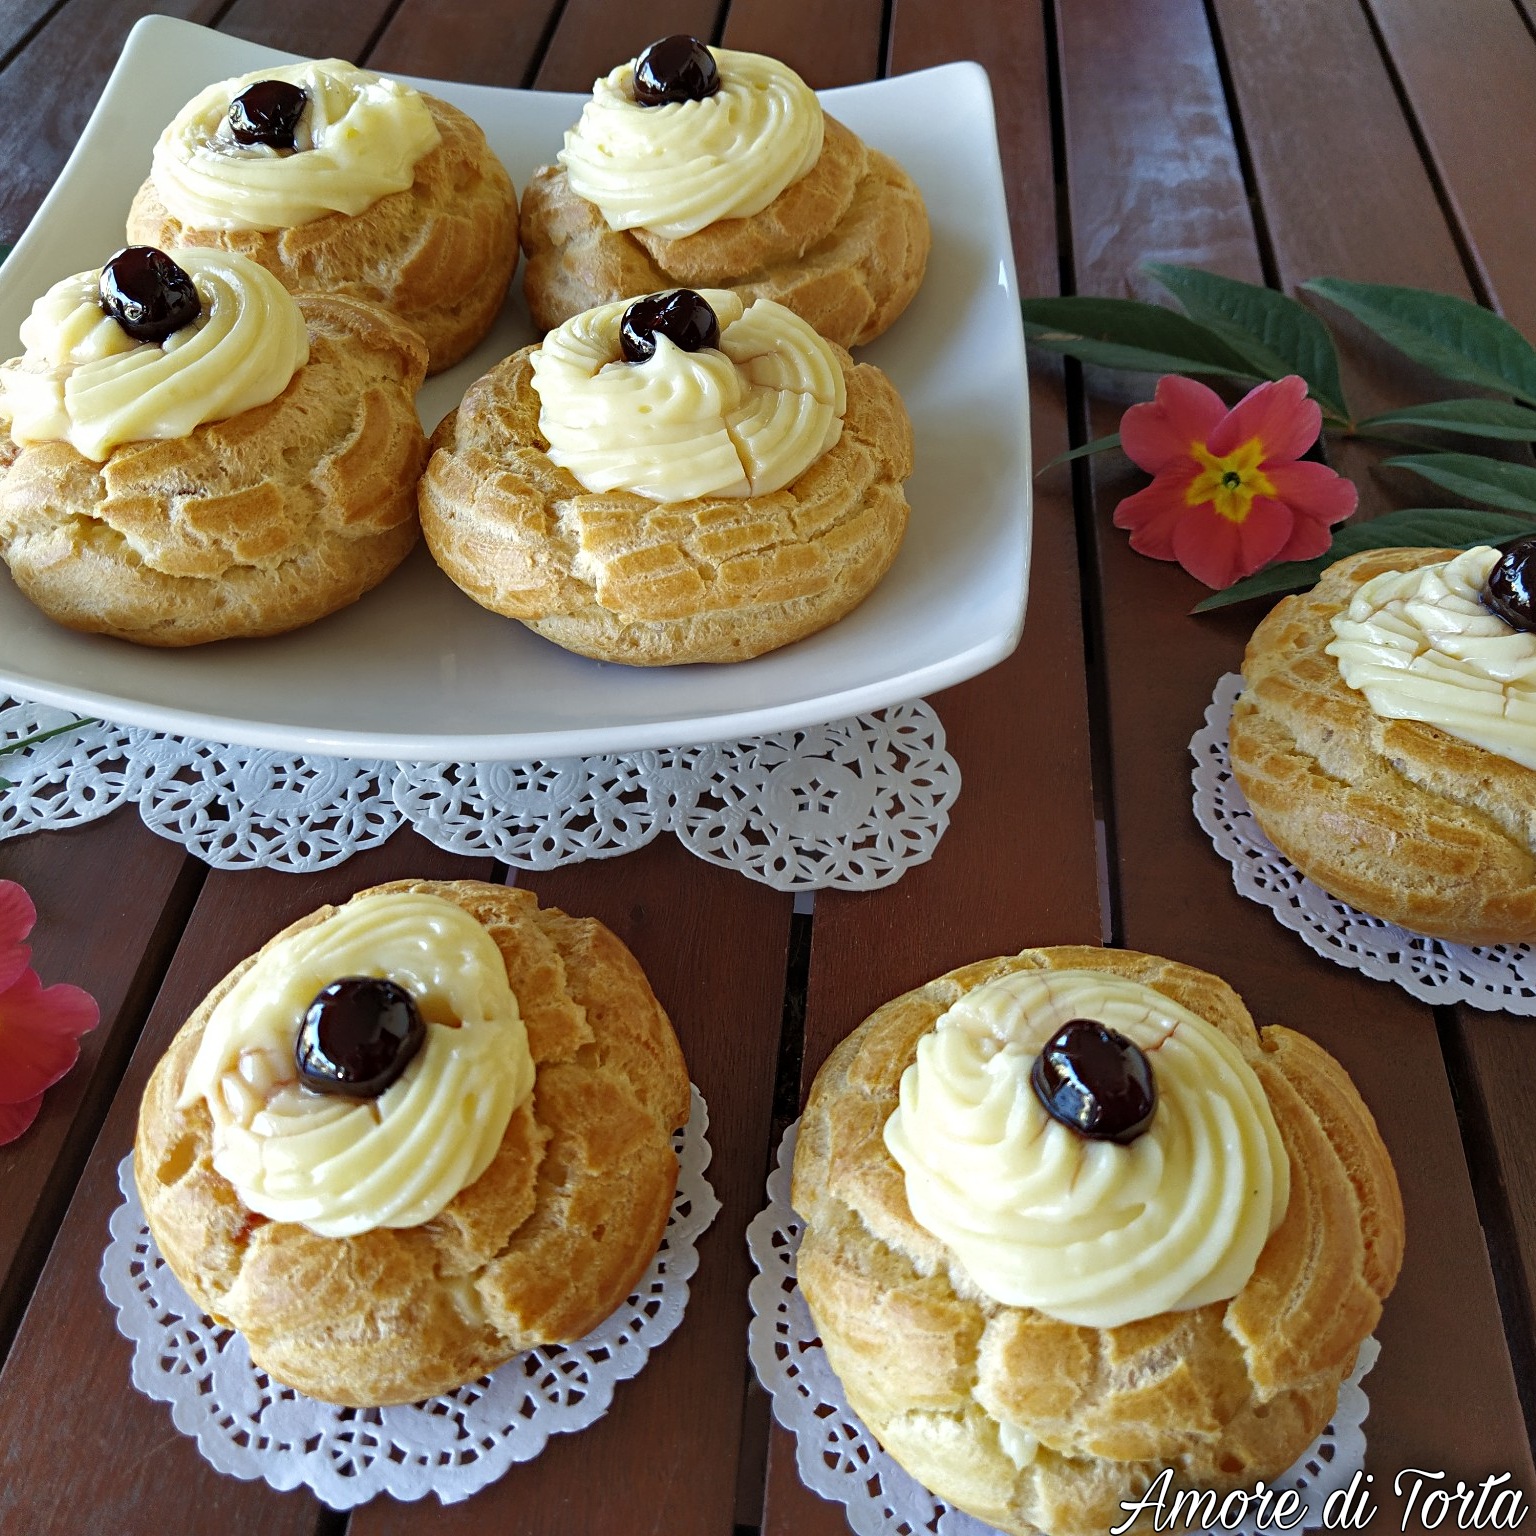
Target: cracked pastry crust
x,y
250,526
541,1248
439,254
844,247
620,577
1396,817
1225,1393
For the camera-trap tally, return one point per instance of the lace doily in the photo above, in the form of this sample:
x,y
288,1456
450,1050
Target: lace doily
x,y
838,1457
853,804
250,1426
1490,976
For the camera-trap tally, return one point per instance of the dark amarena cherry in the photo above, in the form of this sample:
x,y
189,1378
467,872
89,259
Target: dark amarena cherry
x,y
358,1036
147,293
1510,592
267,113
676,68
682,316
1092,1079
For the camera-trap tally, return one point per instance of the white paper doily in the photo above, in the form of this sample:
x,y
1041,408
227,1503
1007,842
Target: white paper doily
x,y
853,804
1490,976
838,1457
248,1425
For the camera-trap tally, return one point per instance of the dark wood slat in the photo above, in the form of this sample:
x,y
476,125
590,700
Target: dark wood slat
x,y
105,1453
1443,1394
1017,865
78,46
105,894
326,31
18,18
484,42
825,45
713,945
1469,73
596,35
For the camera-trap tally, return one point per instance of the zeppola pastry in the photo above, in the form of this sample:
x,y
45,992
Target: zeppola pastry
x,y
686,478
188,453
706,168
413,1136
1386,738
1071,1219
338,180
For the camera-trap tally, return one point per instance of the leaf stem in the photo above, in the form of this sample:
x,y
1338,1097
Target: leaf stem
x,y
41,736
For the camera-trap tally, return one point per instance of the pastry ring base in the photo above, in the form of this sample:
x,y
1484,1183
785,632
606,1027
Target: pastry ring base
x,y
1229,1392
619,577
251,526
1395,817
539,1249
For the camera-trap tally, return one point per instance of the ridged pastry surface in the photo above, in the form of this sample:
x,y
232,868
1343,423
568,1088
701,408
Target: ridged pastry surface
x,y
439,254
1396,817
622,578
845,247
1036,1425
539,1249
245,527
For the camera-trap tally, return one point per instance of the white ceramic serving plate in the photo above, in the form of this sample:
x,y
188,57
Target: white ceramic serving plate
x,y
417,671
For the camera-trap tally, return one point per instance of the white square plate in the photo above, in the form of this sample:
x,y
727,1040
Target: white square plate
x,y
416,670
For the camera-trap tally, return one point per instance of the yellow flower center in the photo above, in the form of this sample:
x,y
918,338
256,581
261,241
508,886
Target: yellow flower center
x,y
1229,484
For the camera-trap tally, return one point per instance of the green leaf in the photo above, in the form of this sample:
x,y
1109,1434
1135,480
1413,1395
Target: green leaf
x,y
1271,329
5,250
1125,333
1452,337
1428,527
1494,482
1476,418
1098,445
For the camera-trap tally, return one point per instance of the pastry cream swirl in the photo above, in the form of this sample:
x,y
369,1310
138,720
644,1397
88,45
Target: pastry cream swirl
x,y
1089,1232
339,1165
741,420
674,169
1420,646
85,381
358,140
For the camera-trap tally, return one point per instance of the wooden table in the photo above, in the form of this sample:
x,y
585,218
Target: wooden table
x,y
1272,140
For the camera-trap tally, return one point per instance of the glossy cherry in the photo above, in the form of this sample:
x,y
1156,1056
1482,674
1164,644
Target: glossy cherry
x,y
676,68
682,316
267,113
147,293
358,1036
1092,1079
1510,591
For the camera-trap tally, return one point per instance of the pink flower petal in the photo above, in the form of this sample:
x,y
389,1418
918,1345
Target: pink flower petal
x,y
1313,491
1184,411
15,1118
1152,514
17,915
1218,552
1278,414
38,1034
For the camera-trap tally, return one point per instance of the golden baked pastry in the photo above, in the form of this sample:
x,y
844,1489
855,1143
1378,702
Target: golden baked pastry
x,y
439,254
844,245
249,526
622,577
1039,1425
539,1248
1396,817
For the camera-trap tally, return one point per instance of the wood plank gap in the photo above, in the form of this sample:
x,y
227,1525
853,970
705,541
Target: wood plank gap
x,y
76,1149
887,29
378,32
1493,1213
717,32
1101,767
31,32
218,16
1482,287
1267,262
536,63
